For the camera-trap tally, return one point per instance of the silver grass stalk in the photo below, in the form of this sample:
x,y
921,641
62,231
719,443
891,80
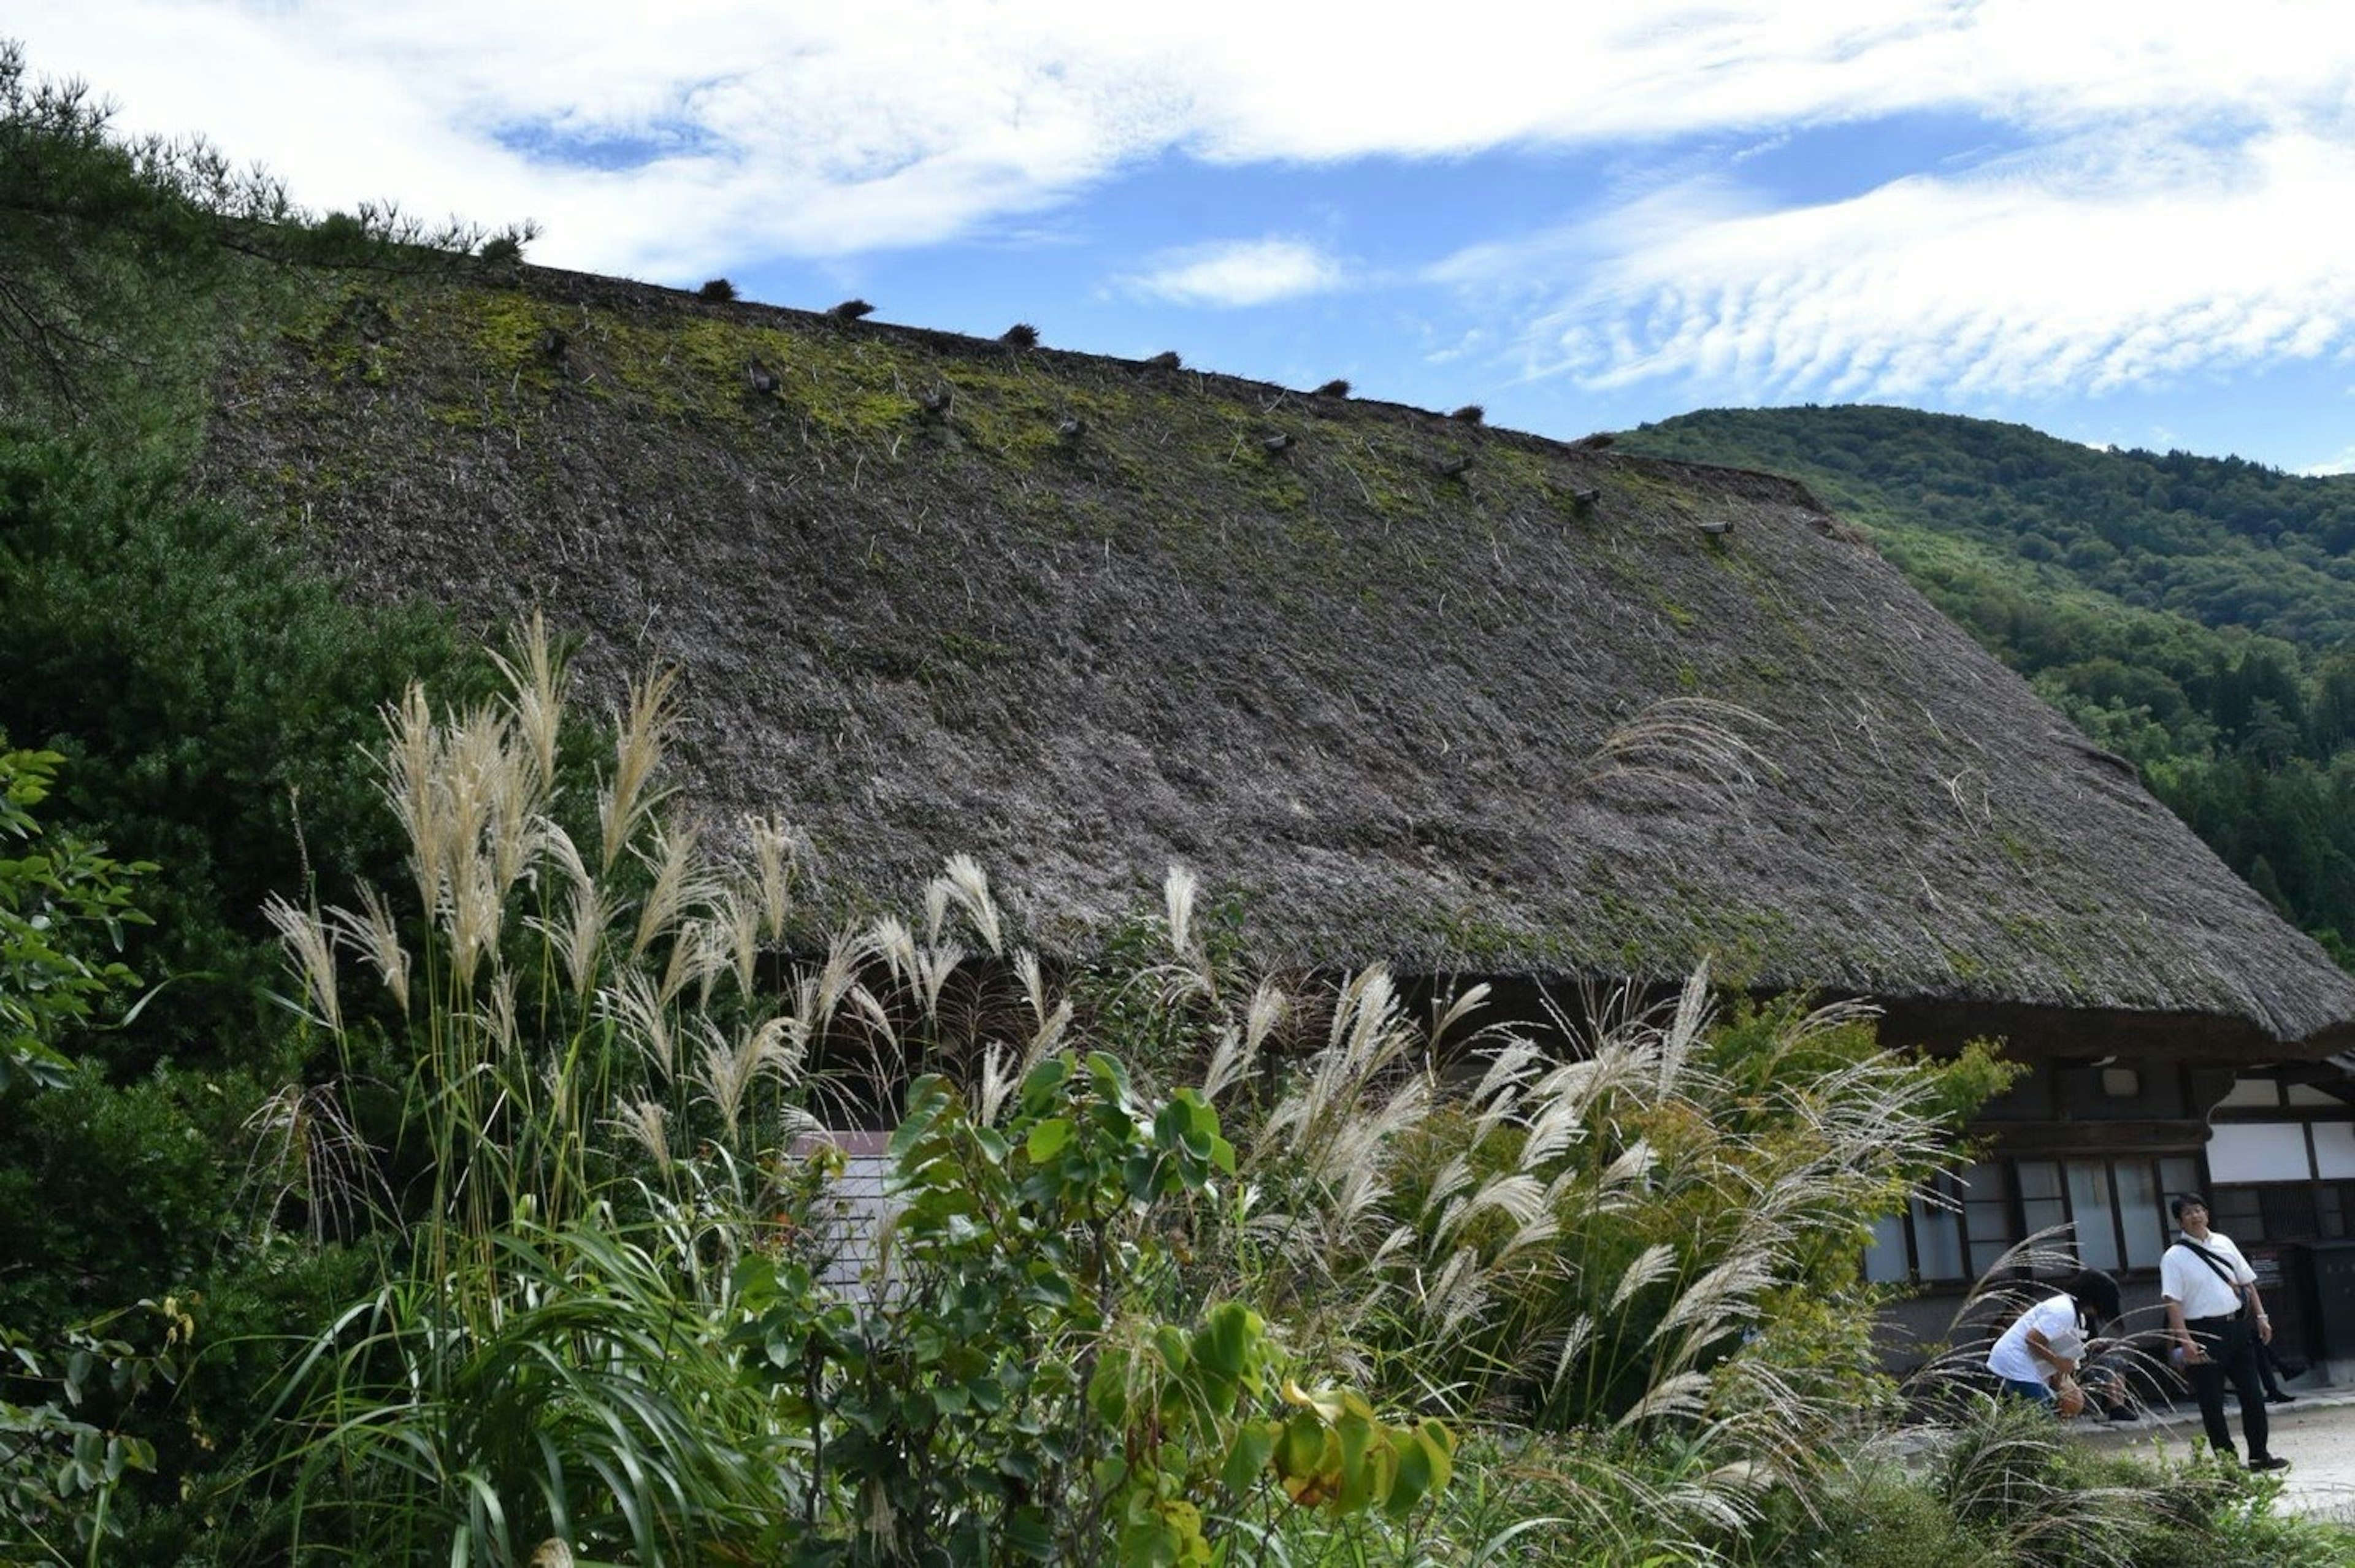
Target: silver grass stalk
x,y
631,1003
698,956
1710,1501
725,1072
782,1044
934,965
1049,1037
648,1124
738,920
515,847
1574,1340
1551,1132
998,1078
867,1005
304,1147
1519,1197
1357,1198
1359,1045
1178,892
473,913
1510,1071
375,936
497,1018
676,887
1635,1163
1676,1397
1189,973
966,886
890,940
845,954
579,936
1238,1054
1691,1019
1396,1244
1451,1302
638,745
1541,1230
794,1124
1655,1264
409,787
1726,1291
1453,1179
1225,1066
472,775
1457,1009
936,908
776,856
1034,982
1614,1065
311,953
536,695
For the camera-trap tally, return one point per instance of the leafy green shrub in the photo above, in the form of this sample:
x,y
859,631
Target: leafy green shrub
x,y
63,907
65,1460
1033,1379
1880,1516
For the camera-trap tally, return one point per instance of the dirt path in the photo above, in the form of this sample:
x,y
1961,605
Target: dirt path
x,y
2316,1434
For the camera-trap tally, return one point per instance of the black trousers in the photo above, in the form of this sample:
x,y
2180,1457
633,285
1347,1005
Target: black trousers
x,y
2232,1347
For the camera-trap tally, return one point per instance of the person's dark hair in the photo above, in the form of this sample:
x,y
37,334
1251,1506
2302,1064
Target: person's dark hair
x,y
2096,1295
2182,1200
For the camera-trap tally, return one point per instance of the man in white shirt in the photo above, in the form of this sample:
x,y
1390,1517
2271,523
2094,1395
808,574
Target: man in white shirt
x,y
2216,1320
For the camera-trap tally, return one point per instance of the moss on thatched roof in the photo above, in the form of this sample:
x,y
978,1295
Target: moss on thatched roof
x,y
1422,689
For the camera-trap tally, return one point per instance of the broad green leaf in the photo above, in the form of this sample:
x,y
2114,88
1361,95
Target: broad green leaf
x,y
1048,1139
1248,1456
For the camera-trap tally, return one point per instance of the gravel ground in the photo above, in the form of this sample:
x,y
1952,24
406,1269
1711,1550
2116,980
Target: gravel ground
x,y
2316,1434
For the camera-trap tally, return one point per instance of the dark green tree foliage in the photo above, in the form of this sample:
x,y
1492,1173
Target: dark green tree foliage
x,y
213,700
2195,616
103,244
124,261
206,695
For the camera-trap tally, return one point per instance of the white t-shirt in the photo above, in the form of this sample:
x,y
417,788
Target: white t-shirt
x,y
2184,1278
2012,1358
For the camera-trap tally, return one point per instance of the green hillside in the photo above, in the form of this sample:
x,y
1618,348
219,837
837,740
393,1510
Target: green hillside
x,y
2190,614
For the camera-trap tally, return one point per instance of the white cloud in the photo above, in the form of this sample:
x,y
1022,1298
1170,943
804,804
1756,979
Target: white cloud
x,y
825,129
1238,273
2107,259
2168,217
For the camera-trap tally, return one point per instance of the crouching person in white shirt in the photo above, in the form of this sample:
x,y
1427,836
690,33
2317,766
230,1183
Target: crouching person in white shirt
x,y
2037,1358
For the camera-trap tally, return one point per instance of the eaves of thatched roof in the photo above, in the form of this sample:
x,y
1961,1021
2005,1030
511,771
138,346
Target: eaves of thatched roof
x,y
1453,697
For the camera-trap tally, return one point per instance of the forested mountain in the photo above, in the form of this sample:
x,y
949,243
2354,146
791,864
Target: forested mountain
x,y
2191,613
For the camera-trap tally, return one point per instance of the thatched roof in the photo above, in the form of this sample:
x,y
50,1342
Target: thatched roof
x,y
1085,621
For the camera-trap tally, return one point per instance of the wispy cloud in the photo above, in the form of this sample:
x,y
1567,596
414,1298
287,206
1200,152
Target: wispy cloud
x,y
2089,266
2167,216
821,129
1238,273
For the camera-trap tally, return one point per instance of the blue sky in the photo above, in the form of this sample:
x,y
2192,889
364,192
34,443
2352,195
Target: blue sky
x,y
2119,223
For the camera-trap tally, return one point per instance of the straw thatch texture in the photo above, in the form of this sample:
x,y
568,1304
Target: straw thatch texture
x,y
1551,711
